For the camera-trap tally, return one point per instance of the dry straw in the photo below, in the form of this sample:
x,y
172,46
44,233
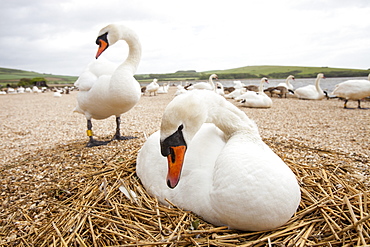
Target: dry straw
x,y
74,196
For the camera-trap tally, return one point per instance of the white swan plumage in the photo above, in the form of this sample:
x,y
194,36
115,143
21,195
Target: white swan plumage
x,y
205,85
152,87
164,88
287,83
180,90
220,89
236,93
311,91
229,175
353,90
238,84
256,99
105,89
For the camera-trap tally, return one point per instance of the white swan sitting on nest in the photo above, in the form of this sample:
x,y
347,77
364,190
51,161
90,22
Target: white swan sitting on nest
x,y
102,95
256,99
311,91
353,90
228,176
205,85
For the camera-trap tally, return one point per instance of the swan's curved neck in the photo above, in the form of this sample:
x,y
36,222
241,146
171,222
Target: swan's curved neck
x,y
317,85
260,88
203,106
134,55
287,81
210,81
233,123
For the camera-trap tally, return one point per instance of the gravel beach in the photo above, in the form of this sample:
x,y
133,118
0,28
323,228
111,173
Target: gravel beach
x,y
33,121
45,169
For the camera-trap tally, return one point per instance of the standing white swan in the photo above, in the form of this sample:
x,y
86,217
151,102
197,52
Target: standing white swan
x,y
102,95
152,87
353,90
229,176
311,91
256,99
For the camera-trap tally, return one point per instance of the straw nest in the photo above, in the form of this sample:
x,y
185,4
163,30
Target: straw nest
x,y
70,195
73,196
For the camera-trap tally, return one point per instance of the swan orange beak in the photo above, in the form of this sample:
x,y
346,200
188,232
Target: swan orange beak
x,y
175,161
102,47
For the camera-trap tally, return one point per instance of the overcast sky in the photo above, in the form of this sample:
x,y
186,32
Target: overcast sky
x,y
58,37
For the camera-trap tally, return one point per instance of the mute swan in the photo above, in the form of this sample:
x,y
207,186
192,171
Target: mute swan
x,y
57,94
256,100
311,91
35,89
229,175
238,85
353,90
152,87
102,95
205,85
180,90
20,89
163,88
220,89
236,93
287,82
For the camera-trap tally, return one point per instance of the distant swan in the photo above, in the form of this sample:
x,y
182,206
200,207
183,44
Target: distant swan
x,y
220,89
106,91
236,93
180,90
164,88
205,85
287,83
152,87
353,90
256,99
228,175
311,91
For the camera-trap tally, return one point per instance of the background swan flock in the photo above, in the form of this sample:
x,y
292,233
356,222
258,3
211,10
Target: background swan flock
x,y
208,156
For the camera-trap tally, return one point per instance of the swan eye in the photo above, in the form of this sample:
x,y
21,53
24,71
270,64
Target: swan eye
x,y
103,37
174,140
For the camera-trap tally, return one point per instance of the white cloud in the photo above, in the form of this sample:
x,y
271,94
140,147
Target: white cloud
x,y
59,37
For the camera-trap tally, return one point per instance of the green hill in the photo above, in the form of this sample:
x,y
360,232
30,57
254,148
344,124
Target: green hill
x,y
13,76
284,71
277,72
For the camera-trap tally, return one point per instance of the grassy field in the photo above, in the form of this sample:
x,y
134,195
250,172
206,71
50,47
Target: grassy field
x,y
12,76
299,72
276,72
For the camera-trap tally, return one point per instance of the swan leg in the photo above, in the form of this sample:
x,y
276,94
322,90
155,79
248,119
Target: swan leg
x,y
345,104
92,142
117,135
359,104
